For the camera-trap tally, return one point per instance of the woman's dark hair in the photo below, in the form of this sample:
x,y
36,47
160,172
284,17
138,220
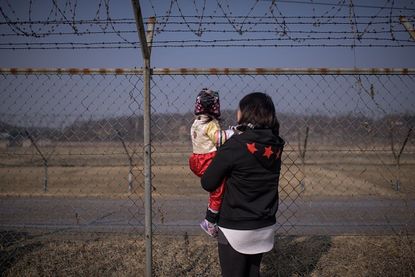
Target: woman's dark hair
x,y
258,111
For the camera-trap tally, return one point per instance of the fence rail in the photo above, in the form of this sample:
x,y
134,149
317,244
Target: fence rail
x,y
213,71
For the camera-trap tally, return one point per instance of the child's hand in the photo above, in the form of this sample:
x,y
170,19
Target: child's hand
x,y
236,129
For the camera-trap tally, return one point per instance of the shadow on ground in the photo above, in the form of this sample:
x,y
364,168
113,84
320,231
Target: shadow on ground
x,y
13,246
295,256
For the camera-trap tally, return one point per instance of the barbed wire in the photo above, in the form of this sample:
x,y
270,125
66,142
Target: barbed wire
x,y
328,11
215,43
386,21
71,46
342,5
197,40
91,22
205,31
162,20
366,30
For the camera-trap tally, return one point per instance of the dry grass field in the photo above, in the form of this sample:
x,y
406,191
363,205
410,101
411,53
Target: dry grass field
x,y
178,181
123,255
102,171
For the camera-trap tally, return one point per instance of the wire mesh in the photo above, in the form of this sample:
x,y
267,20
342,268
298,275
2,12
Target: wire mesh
x,y
71,148
340,174
71,158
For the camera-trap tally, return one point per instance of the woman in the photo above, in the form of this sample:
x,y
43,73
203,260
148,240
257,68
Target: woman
x,y
251,163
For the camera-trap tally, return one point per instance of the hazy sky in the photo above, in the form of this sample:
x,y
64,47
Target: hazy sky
x,y
50,100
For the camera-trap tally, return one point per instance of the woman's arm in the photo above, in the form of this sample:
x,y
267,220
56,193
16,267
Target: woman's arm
x,y
218,169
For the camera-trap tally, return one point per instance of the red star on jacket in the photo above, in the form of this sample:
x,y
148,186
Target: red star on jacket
x,y
268,152
251,147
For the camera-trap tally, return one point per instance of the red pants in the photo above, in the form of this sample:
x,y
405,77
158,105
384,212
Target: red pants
x,y
198,163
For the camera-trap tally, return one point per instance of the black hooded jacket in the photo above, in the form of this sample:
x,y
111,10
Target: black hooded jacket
x,y
251,164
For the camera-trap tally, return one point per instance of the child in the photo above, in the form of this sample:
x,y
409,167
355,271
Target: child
x,y
206,137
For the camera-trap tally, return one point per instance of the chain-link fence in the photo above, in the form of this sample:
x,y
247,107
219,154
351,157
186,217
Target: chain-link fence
x,y
71,148
348,164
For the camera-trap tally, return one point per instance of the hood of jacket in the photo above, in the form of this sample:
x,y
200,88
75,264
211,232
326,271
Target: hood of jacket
x,y
263,145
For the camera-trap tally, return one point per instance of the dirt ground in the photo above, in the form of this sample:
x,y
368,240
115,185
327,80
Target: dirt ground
x,y
123,255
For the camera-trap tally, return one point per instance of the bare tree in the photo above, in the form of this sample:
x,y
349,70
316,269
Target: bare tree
x,y
130,162
302,149
397,155
45,161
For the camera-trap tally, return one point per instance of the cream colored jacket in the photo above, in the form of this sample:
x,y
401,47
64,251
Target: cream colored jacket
x,y
204,135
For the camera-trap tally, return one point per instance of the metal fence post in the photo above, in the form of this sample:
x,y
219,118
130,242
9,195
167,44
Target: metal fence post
x,y
147,168
146,53
147,153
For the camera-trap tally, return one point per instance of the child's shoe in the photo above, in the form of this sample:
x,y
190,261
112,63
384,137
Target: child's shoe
x,y
210,228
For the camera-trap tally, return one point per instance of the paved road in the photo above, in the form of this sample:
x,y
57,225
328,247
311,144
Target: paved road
x,y
317,216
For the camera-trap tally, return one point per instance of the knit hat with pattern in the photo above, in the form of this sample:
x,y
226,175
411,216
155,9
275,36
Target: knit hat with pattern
x,y
207,102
